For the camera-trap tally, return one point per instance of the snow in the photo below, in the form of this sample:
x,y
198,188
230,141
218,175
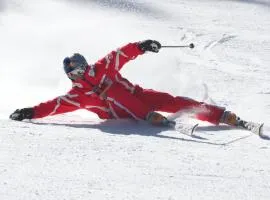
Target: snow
x,y
77,156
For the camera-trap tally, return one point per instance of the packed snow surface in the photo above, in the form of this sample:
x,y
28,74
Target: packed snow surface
x,y
78,156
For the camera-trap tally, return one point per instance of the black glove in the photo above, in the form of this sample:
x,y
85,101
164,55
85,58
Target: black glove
x,y
21,114
150,45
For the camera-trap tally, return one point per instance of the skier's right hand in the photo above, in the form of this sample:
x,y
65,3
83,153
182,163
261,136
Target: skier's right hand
x,y
149,45
21,114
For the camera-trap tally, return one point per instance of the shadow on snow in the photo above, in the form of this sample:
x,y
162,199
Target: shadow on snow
x,y
129,127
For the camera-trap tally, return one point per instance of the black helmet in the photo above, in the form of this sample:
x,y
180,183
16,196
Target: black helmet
x,y
77,60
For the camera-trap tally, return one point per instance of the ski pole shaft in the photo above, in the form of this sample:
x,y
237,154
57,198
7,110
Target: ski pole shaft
x,y
171,46
179,46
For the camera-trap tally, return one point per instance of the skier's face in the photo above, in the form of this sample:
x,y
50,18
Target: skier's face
x,y
71,64
68,64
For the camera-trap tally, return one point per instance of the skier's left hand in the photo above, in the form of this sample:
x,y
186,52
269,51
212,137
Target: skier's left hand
x,y
149,45
21,114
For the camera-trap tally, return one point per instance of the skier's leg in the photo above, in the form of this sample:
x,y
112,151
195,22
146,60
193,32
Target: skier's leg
x,y
160,101
210,113
165,102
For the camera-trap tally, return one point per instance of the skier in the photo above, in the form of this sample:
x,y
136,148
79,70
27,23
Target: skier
x,y
101,89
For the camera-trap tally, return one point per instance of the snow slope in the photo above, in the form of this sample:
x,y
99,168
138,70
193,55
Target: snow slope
x,y
77,156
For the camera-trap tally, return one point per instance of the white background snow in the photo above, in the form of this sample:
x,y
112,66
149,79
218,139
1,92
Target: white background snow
x,y
77,156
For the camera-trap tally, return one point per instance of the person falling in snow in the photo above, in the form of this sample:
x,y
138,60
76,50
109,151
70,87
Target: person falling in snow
x,y
101,89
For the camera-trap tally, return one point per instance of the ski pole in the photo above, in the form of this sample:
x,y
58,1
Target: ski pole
x,y
191,45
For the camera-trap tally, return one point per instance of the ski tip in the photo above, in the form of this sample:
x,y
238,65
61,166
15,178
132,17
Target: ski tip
x,y
194,128
260,129
261,134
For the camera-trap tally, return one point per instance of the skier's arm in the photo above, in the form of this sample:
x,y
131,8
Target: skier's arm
x,y
115,60
59,105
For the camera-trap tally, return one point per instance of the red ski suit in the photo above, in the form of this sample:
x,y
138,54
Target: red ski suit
x,y
121,99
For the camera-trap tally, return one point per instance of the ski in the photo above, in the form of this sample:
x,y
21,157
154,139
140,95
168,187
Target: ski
x,y
189,129
256,128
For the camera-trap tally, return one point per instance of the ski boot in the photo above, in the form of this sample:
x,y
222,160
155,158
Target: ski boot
x,y
158,119
232,119
229,118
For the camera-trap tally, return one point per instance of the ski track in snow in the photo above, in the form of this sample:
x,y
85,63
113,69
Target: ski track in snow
x,y
77,156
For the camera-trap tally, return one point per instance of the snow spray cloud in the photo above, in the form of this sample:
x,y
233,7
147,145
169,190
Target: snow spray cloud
x,y
2,6
129,6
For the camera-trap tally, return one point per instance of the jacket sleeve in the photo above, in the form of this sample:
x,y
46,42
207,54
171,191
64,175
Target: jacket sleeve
x,y
115,60
123,81
59,105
